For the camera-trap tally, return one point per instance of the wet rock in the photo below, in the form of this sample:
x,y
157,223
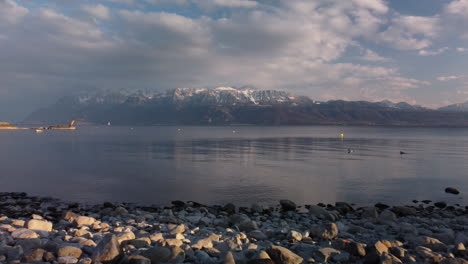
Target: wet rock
x,y
287,205
452,190
344,207
283,255
230,208
137,259
440,205
108,250
404,211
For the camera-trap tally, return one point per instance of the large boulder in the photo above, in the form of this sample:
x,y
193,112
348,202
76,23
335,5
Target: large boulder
x,y
452,190
108,250
283,255
287,205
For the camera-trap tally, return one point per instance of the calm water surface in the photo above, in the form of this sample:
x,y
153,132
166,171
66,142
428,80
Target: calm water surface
x,y
214,165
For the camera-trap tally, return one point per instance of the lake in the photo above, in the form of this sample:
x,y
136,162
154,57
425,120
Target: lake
x,y
239,164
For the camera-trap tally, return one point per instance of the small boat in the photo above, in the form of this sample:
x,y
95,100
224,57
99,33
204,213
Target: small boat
x,y
108,123
39,130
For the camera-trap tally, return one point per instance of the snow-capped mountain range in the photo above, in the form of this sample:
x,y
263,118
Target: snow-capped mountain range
x,y
216,96
227,105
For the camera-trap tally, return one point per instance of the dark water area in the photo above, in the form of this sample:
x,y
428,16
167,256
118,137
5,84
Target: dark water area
x,y
239,164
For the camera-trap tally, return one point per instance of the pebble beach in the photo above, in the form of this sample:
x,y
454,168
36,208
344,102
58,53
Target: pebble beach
x,y
48,230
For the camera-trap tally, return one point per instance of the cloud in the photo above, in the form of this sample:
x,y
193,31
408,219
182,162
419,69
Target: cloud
x,y
294,45
449,78
227,3
458,7
410,32
433,52
125,2
11,13
99,11
370,55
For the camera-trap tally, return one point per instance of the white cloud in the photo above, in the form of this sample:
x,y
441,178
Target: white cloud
x,y
370,55
227,3
125,2
449,78
458,7
99,11
410,32
11,13
433,52
293,45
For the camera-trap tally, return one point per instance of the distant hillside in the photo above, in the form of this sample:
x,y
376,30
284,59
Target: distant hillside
x,y
225,105
463,107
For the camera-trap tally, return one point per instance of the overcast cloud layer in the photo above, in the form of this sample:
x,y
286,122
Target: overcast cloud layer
x,y
326,49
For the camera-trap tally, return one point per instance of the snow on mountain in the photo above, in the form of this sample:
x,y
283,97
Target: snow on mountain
x,y
217,96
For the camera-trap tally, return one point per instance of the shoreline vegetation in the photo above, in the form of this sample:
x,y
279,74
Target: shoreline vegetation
x,y
41,229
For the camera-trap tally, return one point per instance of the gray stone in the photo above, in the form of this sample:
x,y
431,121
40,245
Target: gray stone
x,y
138,259
248,226
177,255
23,233
324,254
452,190
404,211
69,251
294,235
158,254
287,205
283,255
387,217
454,261
326,231
35,255
67,260
258,235
108,250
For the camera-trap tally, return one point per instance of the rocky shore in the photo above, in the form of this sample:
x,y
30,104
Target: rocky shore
x,y
46,230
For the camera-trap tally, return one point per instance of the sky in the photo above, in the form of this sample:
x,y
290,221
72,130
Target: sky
x,y
401,50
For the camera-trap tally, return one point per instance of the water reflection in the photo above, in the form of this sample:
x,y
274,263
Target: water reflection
x,y
155,165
